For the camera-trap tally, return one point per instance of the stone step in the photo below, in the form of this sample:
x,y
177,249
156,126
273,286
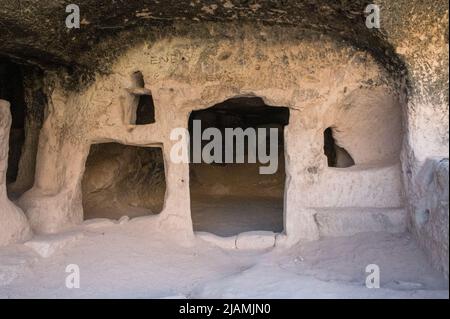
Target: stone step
x,y
353,220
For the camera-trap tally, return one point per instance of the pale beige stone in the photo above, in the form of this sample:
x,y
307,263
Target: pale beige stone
x,y
13,223
255,240
104,112
47,245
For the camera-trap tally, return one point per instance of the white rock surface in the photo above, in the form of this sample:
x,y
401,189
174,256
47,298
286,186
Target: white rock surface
x,y
219,241
14,226
98,223
255,240
11,268
141,261
123,220
47,245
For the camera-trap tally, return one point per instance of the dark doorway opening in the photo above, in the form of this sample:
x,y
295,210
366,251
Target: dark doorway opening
x,y
230,198
12,90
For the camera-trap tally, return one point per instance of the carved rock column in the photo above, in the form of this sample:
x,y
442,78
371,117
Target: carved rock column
x,y
14,226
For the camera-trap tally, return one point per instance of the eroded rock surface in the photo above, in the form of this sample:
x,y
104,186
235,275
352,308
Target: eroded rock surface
x,y
13,223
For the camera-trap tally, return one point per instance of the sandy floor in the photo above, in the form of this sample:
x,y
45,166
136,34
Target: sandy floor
x,y
231,215
134,260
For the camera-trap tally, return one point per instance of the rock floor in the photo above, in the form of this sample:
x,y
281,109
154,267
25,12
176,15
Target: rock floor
x,y
136,260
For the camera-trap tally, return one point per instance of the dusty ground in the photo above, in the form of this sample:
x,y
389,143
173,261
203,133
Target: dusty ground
x,y
231,215
134,260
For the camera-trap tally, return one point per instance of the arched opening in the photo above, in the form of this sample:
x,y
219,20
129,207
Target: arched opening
x,y
143,106
231,192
